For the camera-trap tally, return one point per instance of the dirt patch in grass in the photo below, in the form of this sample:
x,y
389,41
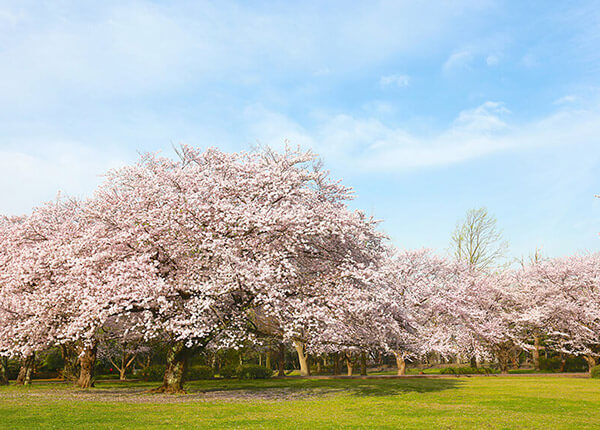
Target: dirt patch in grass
x,y
141,395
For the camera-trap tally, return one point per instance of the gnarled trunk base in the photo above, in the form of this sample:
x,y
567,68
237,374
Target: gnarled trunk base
x,y
87,360
302,358
177,362
400,363
504,354
349,364
26,371
591,361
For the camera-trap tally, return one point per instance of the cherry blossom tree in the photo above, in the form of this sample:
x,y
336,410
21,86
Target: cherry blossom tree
x,y
120,345
317,304
229,234
59,272
409,316
488,307
27,282
563,296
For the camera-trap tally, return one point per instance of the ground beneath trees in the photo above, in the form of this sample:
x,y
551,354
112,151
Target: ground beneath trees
x,y
133,394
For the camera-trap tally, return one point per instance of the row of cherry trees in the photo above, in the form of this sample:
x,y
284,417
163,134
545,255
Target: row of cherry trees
x,y
214,249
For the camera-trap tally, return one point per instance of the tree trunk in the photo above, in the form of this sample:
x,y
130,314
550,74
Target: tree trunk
x,y
268,359
503,360
536,352
515,358
3,368
474,362
127,361
24,377
69,355
213,362
87,360
336,363
400,363
504,353
349,364
302,358
363,363
563,364
177,362
281,360
122,368
591,361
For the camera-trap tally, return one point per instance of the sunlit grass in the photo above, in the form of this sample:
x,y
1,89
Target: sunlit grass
x,y
481,402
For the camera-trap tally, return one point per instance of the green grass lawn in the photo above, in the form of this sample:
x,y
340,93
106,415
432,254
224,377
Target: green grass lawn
x,y
453,403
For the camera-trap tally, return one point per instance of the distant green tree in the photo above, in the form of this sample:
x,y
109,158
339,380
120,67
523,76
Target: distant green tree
x,y
477,241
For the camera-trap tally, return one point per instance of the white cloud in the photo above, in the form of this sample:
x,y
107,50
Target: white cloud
x,y
487,50
395,80
483,119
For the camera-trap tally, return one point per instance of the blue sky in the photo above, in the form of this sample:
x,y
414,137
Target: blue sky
x,y
426,109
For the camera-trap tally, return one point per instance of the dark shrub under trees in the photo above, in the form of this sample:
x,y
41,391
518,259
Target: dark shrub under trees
x,y
252,371
247,371
200,372
155,372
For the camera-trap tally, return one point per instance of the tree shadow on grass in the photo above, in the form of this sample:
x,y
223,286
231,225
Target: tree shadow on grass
x,y
316,387
237,390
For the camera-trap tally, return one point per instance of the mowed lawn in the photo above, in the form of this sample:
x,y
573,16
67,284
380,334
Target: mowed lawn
x,y
453,403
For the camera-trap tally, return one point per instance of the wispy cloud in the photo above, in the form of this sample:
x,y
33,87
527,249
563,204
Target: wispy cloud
x,y
530,61
30,176
128,48
394,80
492,60
367,144
484,119
458,60
378,87
565,100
